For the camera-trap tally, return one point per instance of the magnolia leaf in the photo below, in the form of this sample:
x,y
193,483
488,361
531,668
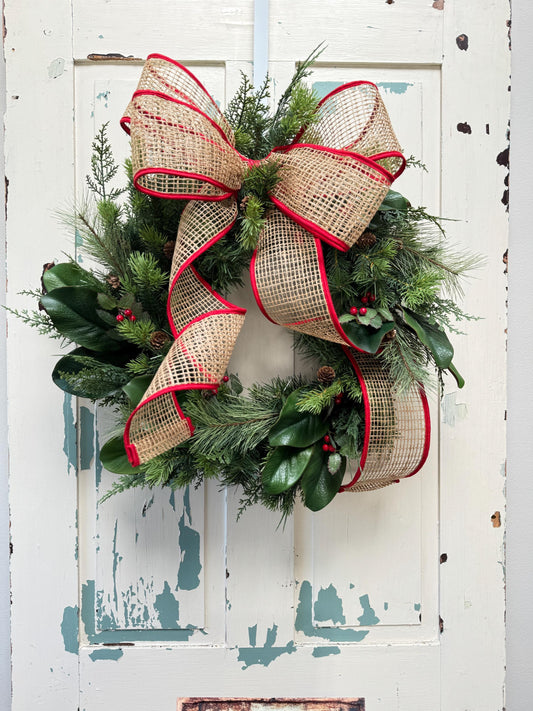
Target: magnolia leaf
x,y
236,384
432,336
114,459
295,428
284,467
457,375
136,388
365,337
319,486
73,311
394,201
68,274
70,363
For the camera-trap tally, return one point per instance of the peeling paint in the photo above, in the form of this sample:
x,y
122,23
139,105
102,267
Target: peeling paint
x,y
56,68
368,617
172,499
190,566
325,651
69,440
70,629
385,605
438,5
417,606
103,95
452,412
252,635
146,506
304,621
106,653
167,608
462,42
97,463
394,87
328,606
86,437
464,128
267,653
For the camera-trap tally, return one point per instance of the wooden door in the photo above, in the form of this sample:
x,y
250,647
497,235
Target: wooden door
x,y
394,596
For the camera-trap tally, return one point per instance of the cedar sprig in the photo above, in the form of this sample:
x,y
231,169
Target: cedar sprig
x,y
103,167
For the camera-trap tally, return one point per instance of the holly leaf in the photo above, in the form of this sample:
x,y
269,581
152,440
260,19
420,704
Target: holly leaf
x,y
346,318
136,388
68,274
432,336
294,428
73,311
106,302
319,485
365,337
283,468
457,375
114,458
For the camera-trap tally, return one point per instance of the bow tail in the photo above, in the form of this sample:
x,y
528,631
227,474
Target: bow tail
x,y
205,327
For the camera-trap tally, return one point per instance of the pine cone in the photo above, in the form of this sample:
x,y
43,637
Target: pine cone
x,y
325,375
243,203
113,281
207,394
158,339
390,335
168,248
366,240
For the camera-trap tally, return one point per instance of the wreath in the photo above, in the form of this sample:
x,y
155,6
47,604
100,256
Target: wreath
x,y
364,279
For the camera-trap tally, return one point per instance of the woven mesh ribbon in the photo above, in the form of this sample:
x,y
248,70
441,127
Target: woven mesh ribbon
x,y
333,179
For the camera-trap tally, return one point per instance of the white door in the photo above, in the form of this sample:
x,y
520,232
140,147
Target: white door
x,y
396,596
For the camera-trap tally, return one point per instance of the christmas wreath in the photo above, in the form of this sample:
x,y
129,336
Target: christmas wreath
x,y
364,279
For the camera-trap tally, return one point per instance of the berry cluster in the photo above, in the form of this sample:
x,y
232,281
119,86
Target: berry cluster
x,y
126,313
369,297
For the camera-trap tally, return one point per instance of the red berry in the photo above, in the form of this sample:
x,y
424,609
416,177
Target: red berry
x,y
331,448
338,400
327,439
128,312
364,299
325,447
132,318
372,298
362,310
225,379
353,310
120,317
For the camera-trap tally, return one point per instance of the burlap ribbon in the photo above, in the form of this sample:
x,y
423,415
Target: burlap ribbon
x,y
334,177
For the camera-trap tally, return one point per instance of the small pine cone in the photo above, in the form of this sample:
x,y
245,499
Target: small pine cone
x,y
158,339
325,375
113,281
168,248
389,336
366,240
243,203
207,394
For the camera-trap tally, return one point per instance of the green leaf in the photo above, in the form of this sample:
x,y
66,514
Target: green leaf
x,y
457,375
70,363
334,462
394,201
284,467
136,388
106,302
236,384
385,314
73,310
295,428
432,336
114,459
346,318
68,274
365,337
319,486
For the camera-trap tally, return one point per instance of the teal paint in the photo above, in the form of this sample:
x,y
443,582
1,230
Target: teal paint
x,y
187,503
190,566
70,629
105,96
97,463
116,559
328,606
266,654
385,605
106,653
172,499
69,439
88,618
252,635
394,87
417,606
368,617
167,608
352,586
323,88
304,620
147,505
100,36
86,437
325,651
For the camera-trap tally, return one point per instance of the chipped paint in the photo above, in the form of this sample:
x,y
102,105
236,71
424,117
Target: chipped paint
x,y
106,653
103,96
462,42
417,606
252,635
394,87
190,566
464,128
172,499
97,463
304,621
452,412
368,617
56,68
116,559
328,606
267,653
147,504
86,437
325,651
167,608
385,605
438,5
70,629
69,440
323,88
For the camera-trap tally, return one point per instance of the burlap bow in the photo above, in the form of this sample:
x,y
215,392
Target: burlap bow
x,y
334,177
